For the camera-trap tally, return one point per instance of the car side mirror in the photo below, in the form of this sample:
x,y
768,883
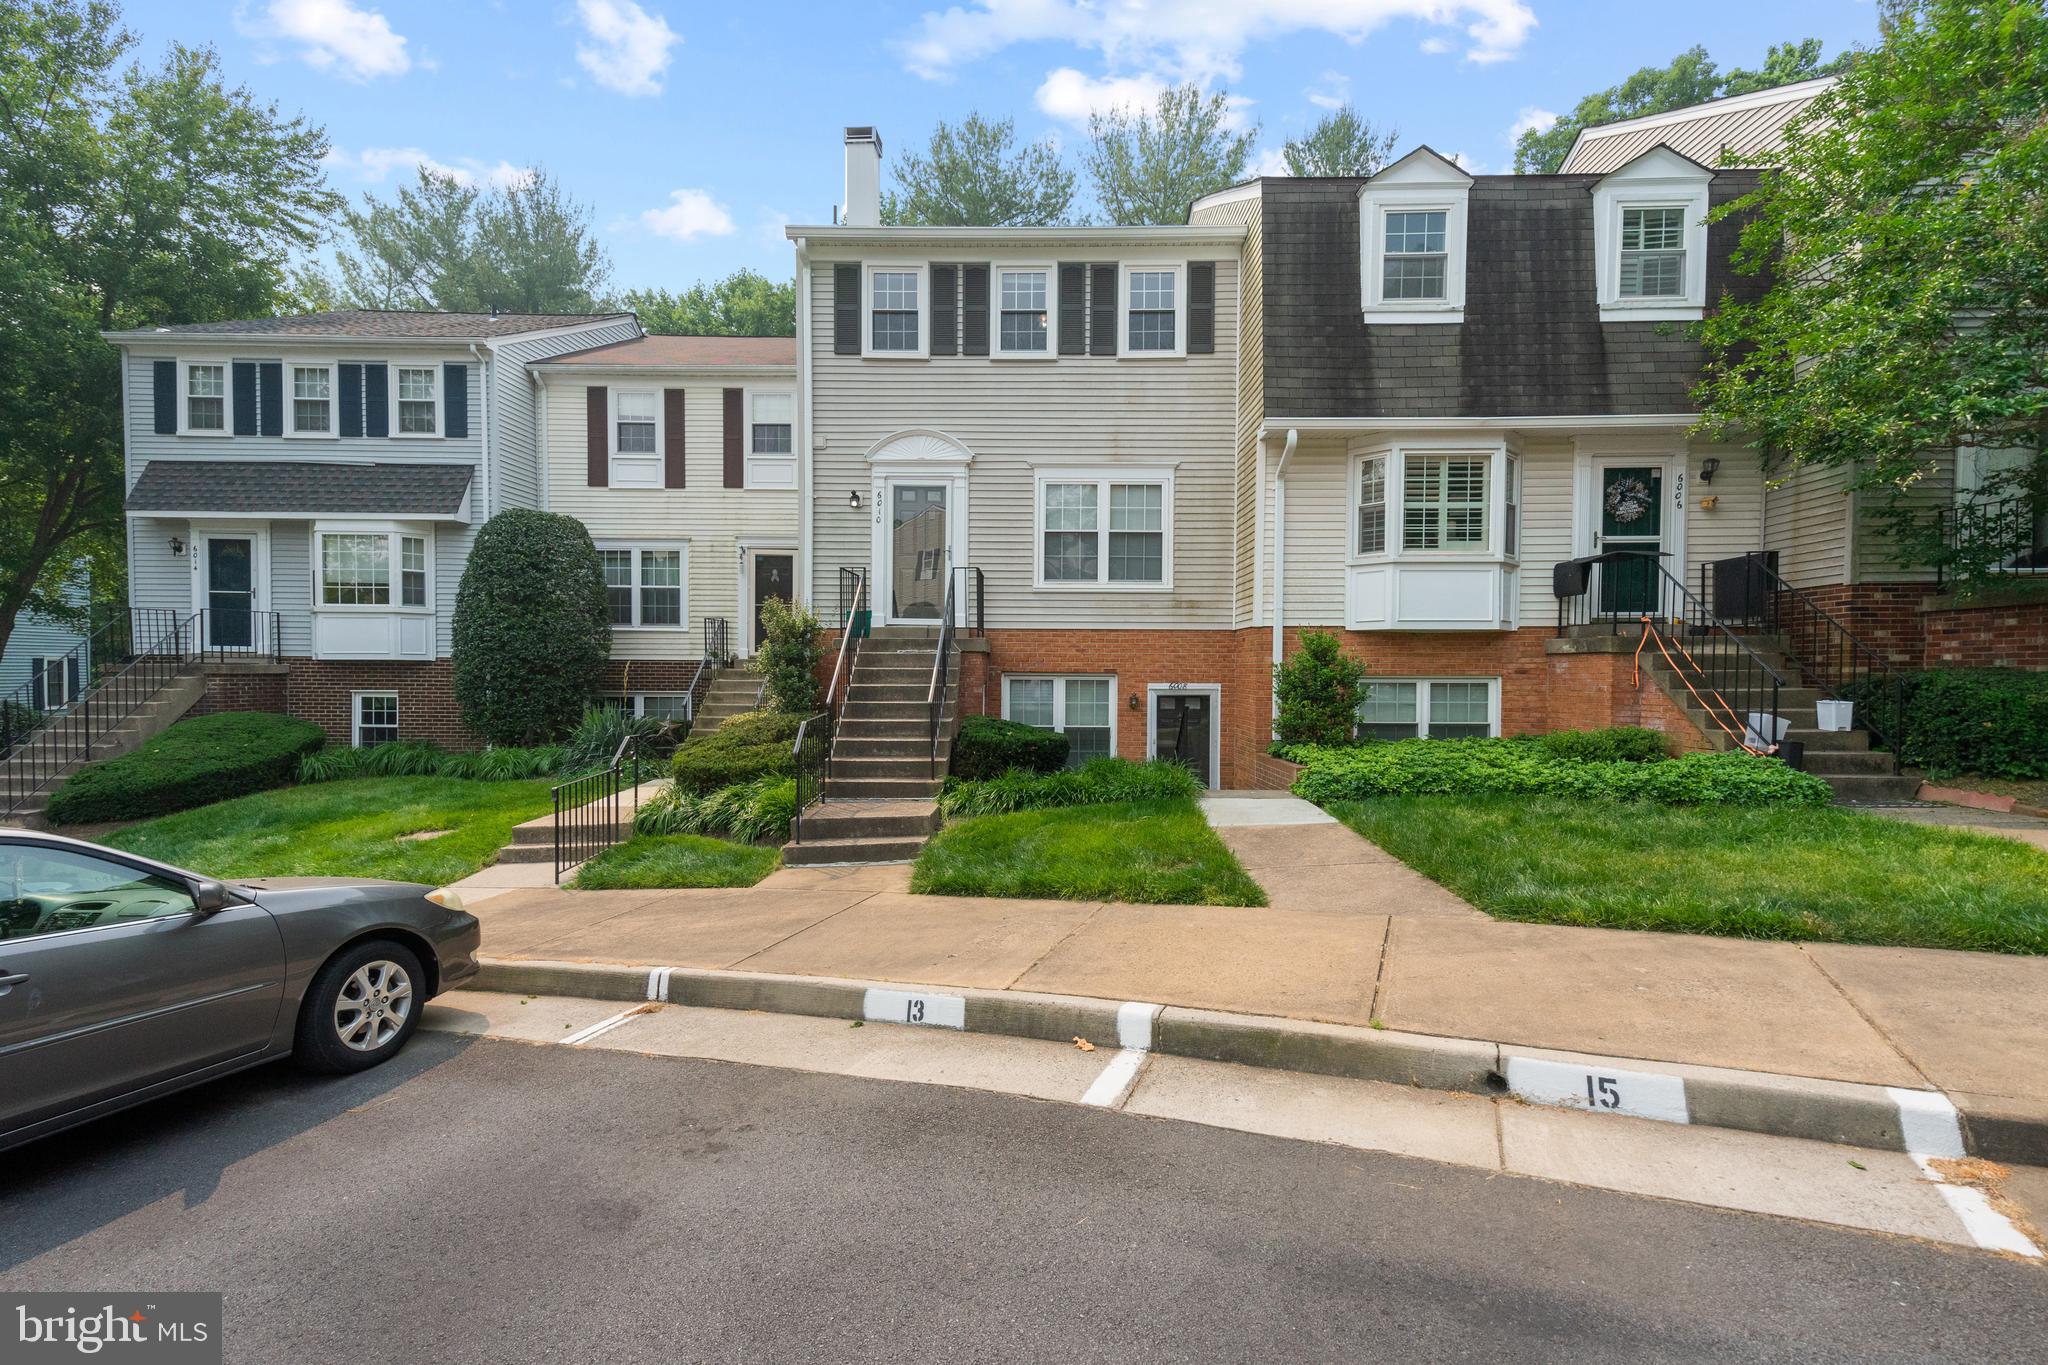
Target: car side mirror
x,y
209,896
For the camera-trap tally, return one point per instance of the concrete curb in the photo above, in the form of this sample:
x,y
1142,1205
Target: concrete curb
x,y
1924,1122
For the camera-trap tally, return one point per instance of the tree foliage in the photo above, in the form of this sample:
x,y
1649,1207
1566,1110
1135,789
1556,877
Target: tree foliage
x,y
532,631
522,247
743,304
790,652
128,197
1907,241
1148,166
974,174
1342,144
1317,691
1691,78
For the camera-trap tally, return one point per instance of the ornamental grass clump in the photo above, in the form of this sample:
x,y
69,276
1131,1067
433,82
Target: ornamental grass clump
x,y
1105,781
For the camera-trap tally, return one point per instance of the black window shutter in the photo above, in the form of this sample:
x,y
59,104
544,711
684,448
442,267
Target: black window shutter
x,y
270,398
1201,308
945,314
164,379
245,397
348,396
735,448
846,310
376,400
673,466
37,686
1073,310
1102,309
597,435
974,310
455,398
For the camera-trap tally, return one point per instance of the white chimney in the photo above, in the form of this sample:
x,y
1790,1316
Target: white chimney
x,y
863,178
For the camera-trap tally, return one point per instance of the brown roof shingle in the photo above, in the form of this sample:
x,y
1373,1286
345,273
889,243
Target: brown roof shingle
x,y
381,322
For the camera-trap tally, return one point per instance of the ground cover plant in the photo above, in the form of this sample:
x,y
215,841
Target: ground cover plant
x,y
1102,782
1480,767
193,763
671,860
1158,852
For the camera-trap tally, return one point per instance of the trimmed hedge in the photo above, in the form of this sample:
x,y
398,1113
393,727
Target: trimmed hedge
x,y
1992,721
1505,767
755,744
751,812
194,763
1101,782
989,747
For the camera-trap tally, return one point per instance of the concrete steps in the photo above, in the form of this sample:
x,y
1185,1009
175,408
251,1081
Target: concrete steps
x,y
34,772
861,831
733,692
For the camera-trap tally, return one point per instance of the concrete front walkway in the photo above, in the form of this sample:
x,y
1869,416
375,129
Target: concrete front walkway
x,y
1305,860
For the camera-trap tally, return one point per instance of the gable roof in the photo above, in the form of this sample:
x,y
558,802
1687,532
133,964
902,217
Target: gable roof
x,y
680,353
378,323
1750,128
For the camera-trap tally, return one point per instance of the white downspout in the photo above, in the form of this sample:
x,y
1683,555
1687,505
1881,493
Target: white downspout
x,y
1280,561
483,425
804,482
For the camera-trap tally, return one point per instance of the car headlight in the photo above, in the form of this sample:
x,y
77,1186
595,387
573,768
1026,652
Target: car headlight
x,y
446,899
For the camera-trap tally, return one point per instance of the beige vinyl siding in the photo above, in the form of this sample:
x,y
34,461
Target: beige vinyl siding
x,y
1735,526
1806,520
1095,410
1876,558
1547,521
1251,392
705,515
1318,532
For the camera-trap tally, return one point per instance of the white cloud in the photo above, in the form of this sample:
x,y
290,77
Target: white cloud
x,y
1196,40
1335,94
1269,161
335,35
628,49
375,165
1436,47
1530,120
1067,94
690,214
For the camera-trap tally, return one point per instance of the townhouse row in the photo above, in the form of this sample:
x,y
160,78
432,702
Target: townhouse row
x,y
1137,462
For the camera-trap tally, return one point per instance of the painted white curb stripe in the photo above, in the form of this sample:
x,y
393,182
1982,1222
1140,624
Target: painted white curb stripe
x,y
1928,1123
1115,1081
1988,1227
657,983
1933,1131
926,1009
601,1027
1603,1090
1134,1025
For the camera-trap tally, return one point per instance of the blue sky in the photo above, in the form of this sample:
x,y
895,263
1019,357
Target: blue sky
x,y
696,131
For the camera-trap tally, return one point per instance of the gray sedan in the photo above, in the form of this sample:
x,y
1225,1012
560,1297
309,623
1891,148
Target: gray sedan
x,y
122,979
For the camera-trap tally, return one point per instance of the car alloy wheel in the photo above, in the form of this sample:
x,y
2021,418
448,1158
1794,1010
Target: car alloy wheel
x,y
373,1005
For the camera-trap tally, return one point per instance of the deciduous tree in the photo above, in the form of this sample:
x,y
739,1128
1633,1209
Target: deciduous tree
x,y
1342,144
1148,166
974,174
744,303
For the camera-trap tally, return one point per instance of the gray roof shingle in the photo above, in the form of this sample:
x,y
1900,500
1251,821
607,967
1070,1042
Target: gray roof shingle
x,y
377,322
300,488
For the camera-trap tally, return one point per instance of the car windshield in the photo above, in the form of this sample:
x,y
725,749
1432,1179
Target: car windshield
x,y
50,890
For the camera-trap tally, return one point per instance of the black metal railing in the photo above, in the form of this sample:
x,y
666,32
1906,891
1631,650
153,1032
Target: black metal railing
x,y
1629,592
235,635
811,762
714,658
971,601
2002,535
942,662
813,749
1746,589
119,669
590,813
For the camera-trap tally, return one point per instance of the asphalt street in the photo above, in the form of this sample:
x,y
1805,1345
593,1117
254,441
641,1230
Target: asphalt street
x,y
488,1201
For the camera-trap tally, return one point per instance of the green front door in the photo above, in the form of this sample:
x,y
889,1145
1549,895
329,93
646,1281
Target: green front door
x,y
1631,520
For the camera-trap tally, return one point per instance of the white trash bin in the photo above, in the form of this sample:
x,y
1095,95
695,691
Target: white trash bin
x,y
1835,715
1762,730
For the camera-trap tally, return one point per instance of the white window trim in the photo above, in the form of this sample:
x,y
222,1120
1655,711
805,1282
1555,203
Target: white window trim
x,y
995,310
1658,179
333,431
355,713
759,463
226,430
1422,683
1179,270
1501,461
440,430
1059,697
392,532
636,546
636,702
1374,204
656,457
1102,478
924,309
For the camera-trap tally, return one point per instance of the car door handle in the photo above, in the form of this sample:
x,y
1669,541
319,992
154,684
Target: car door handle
x,y
8,983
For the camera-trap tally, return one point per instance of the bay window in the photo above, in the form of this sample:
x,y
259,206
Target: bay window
x,y
644,586
1434,535
1443,502
1081,708
1426,708
1106,529
355,568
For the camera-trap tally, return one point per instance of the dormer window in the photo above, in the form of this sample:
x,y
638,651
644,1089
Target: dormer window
x,y
1411,219
1650,239
1653,253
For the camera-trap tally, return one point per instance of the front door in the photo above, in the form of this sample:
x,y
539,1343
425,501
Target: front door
x,y
230,592
919,551
1632,520
774,577
1182,726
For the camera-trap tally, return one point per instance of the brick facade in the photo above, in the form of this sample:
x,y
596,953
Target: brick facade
x,y
243,687
320,690
1913,626
1885,616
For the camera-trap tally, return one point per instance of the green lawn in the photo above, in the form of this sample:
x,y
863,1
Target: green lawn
x,y
1147,853
665,860
1814,874
345,829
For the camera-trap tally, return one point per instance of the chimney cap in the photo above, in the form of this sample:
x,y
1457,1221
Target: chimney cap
x,y
855,135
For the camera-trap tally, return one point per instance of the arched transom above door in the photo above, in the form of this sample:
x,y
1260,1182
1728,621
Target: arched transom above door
x,y
919,445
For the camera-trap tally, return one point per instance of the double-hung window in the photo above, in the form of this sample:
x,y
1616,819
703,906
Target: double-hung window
x,y
416,389
1082,709
643,585
1152,311
771,438
206,398
1443,502
636,438
1372,505
1653,253
1442,708
374,718
312,400
357,569
651,705
896,311
1109,529
1024,326
1415,259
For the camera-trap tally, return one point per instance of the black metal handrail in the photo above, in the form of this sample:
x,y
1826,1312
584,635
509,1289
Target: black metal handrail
x,y
1830,658
133,657
232,634
2011,527
941,667
1709,655
709,663
810,763
587,814
812,752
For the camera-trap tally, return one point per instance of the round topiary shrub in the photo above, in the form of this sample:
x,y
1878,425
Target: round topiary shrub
x,y
989,747
531,630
